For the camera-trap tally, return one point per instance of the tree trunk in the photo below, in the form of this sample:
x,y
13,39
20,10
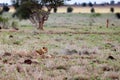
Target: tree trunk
x,y
107,23
41,24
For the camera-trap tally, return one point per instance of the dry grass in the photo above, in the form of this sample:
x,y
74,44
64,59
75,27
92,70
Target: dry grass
x,y
79,9
73,67
75,52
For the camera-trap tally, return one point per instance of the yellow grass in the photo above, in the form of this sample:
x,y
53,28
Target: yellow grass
x,y
12,9
79,9
98,9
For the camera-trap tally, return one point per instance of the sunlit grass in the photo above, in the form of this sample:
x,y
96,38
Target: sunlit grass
x,y
80,50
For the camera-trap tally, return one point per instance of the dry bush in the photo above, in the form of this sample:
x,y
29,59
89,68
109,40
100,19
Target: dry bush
x,y
111,75
77,70
80,77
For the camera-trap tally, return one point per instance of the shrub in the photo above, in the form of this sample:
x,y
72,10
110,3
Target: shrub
x,y
55,10
17,42
14,25
112,9
6,8
1,11
69,9
92,10
3,22
118,15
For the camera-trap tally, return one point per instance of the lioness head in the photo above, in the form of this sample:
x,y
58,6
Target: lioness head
x,y
43,50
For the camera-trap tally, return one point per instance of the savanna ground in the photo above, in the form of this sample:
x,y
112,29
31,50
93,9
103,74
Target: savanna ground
x,y
80,47
87,9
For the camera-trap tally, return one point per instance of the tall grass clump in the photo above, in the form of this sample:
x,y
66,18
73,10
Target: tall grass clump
x,y
3,22
96,15
14,25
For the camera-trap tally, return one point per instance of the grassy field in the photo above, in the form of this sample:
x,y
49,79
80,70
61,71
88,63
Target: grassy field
x,y
80,47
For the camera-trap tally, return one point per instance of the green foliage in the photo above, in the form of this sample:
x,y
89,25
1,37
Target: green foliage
x,y
3,22
24,8
1,11
3,19
34,11
69,9
4,9
17,42
52,3
14,24
24,11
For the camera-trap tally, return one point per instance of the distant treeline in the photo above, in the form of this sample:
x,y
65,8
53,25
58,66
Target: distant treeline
x,y
95,4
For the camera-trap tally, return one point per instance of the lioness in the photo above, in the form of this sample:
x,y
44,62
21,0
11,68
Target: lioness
x,y
42,51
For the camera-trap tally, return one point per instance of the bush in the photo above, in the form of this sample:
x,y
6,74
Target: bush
x,y
112,9
1,11
14,25
3,22
6,8
55,10
118,15
92,10
69,9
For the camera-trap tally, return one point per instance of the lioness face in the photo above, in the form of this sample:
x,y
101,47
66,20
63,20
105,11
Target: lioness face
x,y
42,51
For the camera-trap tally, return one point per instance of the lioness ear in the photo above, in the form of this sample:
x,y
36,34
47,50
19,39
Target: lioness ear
x,y
43,47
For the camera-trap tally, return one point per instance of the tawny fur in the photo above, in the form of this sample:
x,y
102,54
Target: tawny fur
x,y
42,51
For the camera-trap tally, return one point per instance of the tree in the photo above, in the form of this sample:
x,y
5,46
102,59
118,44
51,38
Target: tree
x,y
4,9
90,4
37,11
84,4
112,2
